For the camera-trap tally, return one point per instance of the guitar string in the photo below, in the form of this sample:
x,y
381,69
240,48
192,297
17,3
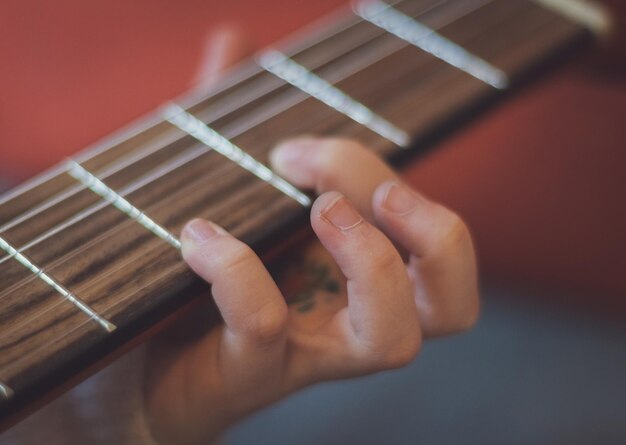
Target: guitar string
x,y
116,303
175,266
199,94
128,162
189,156
260,118
129,260
109,171
58,287
179,266
151,148
218,113
134,157
114,168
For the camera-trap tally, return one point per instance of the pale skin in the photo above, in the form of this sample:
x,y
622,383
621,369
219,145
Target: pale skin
x,y
357,307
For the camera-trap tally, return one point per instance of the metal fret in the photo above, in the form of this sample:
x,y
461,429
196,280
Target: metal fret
x,y
144,180
405,27
115,199
589,14
42,275
282,66
190,124
5,392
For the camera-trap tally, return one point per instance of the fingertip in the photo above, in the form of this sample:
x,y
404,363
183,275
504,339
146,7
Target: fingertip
x,y
197,233
380,192
293,159
334,210
394,198
322,201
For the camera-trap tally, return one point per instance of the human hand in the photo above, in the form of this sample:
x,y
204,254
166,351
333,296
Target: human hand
x,y
368,313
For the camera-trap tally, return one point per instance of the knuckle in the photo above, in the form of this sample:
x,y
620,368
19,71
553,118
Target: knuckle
x,y
456,229
268,323
238,259
397,355
393,352
452,233
386,263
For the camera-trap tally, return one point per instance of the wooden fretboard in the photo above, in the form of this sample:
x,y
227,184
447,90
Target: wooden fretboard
x,y
88,250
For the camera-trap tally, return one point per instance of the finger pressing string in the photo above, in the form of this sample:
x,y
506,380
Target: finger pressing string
x,y
246,295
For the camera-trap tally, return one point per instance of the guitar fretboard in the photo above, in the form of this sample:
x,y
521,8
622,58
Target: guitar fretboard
x,y
89,253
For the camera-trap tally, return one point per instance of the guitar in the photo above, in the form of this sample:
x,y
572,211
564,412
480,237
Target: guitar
x,y
90,258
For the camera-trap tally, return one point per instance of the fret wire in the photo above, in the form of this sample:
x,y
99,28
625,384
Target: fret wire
x,y
261,90
427,39
119,202
292,72
343,23
592,15
178,266
42,275
154,174
82,215
188,123
337,75
136,127
258,118
77,327
93,242
117,166
149,121
146,179
5,392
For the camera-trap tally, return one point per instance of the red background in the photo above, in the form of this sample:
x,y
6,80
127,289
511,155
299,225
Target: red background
x,y
541,179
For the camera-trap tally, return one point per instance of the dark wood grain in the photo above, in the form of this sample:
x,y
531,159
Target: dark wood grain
x,y
133,278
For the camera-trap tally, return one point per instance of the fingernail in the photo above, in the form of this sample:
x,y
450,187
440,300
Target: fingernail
x,y
341,214
400,200
199,230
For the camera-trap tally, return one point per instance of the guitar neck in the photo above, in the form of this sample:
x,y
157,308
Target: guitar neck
x,y
89,255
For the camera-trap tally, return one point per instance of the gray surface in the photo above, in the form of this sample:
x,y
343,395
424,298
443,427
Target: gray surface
x,y
523,376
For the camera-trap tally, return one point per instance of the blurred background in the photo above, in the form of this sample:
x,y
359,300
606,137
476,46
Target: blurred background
x,y
540,179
